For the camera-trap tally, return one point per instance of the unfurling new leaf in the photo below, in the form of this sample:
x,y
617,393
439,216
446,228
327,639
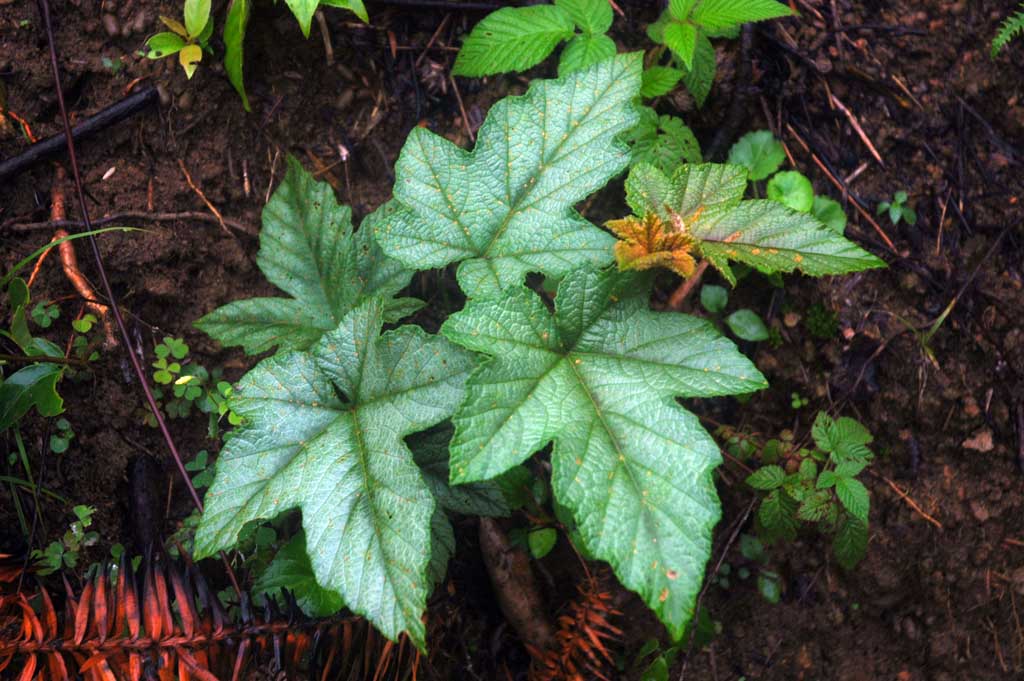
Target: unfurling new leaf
x,y
706,203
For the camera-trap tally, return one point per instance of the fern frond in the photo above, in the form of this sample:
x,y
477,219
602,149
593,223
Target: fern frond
x,y
1010,29
164,622
584,630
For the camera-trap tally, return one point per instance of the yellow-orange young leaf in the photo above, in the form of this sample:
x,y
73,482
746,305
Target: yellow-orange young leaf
x,y
190,56
648,242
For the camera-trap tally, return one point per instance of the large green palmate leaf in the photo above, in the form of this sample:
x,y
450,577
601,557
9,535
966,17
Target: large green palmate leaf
x,y
708,200
324,434
506,208
292,570
308,250
600,377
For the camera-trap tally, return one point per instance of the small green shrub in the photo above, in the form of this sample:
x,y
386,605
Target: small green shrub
x,y
375,435
818,486
188,40
898,209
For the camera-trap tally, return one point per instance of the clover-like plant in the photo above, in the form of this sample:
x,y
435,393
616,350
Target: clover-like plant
x,y
342,422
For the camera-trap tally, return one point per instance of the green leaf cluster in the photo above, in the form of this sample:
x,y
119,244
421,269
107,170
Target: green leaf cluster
x,y
374,435
898,209
664,142
823,490
519,38
188,40
33,386
687,26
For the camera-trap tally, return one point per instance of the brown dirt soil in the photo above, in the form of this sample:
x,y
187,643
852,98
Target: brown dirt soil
x,y
928,603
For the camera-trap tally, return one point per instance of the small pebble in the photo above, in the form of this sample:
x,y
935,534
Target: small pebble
x,y
980,442
110,25
185,100
139,24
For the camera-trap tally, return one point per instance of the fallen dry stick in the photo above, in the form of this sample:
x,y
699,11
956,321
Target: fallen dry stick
x,y
907,498
512,578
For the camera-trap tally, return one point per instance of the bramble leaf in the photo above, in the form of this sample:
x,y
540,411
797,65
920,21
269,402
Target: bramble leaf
x,y
600,378
584,51
659,80
324,434
767,478
507,207
705,201
513,39
777,515
701,77
592,16
851,542
681,38
854,497
664,142
308,249
717,14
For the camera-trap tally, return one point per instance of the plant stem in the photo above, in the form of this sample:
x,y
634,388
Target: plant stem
x,y
678,297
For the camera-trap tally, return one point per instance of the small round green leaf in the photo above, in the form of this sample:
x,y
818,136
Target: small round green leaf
x,y
542,541
747,325
759,152
793,190
830,213
714,298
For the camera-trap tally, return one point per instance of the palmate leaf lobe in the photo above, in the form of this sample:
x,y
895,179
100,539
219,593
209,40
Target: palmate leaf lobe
x,y
308,250
507,207
324,434
600,378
